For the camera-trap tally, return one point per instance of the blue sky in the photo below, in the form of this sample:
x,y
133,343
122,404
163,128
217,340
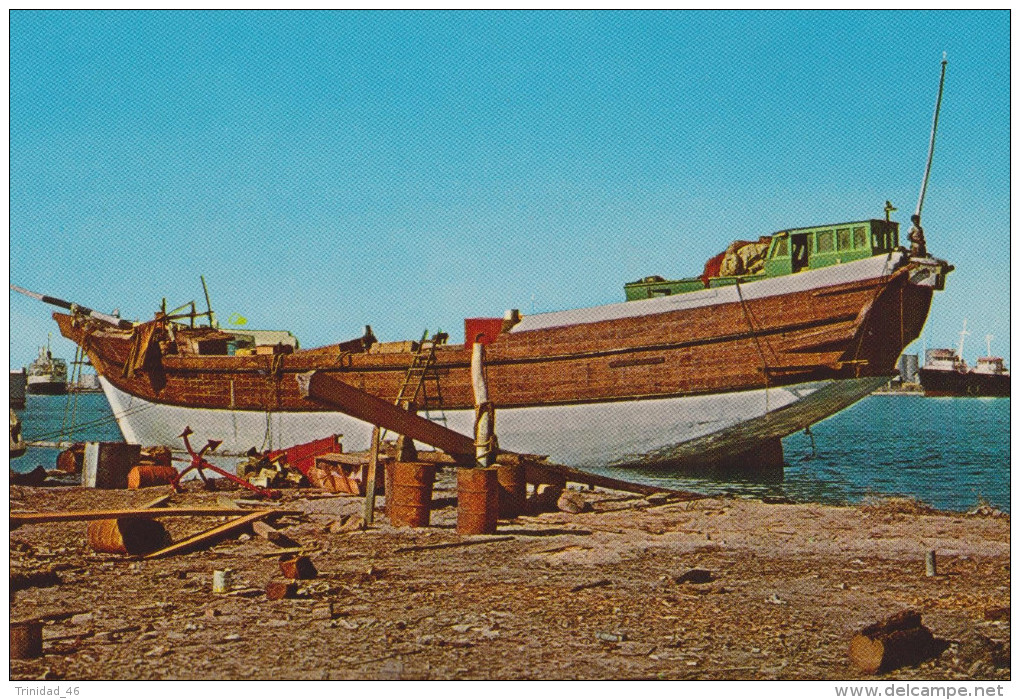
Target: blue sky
x,y
407,170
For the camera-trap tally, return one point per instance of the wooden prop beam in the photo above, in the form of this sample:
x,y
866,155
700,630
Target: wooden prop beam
x,y
329,390
368,513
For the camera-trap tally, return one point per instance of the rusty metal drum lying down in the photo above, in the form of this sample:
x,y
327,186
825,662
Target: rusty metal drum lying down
x,y
410,502
145,475
127,536
26,639
477,501
513,489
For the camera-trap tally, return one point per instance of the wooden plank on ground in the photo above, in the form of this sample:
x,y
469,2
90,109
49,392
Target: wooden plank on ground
x,y
83,515
557,475
210,535
328,390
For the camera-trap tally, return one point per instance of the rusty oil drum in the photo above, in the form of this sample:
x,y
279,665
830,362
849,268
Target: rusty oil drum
x,y
477,501
26,639
145,475
127,536
513,489
409,493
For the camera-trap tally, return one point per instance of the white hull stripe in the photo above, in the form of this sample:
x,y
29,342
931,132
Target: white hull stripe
x,y
586,435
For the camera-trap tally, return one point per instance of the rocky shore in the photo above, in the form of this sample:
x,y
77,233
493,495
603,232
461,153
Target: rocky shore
x,y
720,588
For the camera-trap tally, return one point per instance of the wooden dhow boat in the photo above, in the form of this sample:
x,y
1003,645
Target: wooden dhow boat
x,y
775,335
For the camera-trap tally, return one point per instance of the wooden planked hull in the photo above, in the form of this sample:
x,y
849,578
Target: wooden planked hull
x,y
848,322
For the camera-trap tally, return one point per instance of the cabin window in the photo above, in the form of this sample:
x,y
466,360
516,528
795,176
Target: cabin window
x,y
860,237
825,241
843,238
661,292
782,248
800,251
883,240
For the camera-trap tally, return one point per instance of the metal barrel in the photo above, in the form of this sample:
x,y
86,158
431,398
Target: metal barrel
x,y
477,501
297,567
127,536
513,489
145,475
26,639
410,499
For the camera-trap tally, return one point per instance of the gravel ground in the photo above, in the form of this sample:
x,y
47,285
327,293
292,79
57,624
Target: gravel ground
x,y
552,596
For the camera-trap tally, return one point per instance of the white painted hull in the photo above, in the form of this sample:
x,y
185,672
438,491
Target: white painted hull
x,y
586,435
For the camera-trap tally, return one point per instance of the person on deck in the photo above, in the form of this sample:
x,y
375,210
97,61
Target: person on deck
x,y
916,237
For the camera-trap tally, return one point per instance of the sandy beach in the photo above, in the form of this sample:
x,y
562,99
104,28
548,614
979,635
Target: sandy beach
x,y
593,595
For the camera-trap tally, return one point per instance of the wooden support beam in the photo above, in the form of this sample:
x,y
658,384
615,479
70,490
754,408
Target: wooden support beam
x,y
270,533
210,535
327,389
368,515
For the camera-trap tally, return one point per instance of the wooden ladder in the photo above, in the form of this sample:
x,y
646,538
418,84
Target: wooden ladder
x,y
420,374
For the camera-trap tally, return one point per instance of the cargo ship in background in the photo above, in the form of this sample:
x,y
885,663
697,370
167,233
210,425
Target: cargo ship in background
x,y
945,373
47,374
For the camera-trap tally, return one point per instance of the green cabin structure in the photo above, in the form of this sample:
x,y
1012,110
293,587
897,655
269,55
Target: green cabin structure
x,y
789,252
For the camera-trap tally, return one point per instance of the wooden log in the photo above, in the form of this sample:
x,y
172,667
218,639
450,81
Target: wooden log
x,y
899,640
544,499
209,536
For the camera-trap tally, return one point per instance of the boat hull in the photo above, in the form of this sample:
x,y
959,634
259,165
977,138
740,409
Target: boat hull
x,y
693,380
641,434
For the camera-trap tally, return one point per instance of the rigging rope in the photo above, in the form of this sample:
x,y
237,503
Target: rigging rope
x,y
93,423
757,343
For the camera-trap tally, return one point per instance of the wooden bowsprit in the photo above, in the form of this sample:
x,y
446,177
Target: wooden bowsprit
x,y
198,463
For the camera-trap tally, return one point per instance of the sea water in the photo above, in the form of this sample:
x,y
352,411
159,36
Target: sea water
x,y
952,453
